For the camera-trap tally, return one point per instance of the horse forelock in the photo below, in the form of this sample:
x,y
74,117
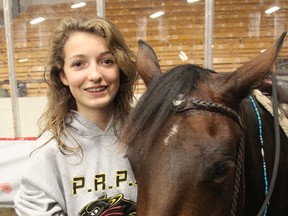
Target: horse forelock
x,y
155,105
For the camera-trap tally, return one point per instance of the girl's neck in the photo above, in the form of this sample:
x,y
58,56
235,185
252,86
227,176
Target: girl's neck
x,y
102,120
100,117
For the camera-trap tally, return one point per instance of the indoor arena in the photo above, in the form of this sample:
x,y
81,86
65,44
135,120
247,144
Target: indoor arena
x,y
194,151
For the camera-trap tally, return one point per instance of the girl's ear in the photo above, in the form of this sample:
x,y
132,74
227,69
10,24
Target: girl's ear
x,y
63,78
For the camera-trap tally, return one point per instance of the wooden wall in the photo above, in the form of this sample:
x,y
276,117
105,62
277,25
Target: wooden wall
x,y
242,30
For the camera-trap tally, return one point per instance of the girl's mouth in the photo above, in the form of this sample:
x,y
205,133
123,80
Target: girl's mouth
x,y
94,90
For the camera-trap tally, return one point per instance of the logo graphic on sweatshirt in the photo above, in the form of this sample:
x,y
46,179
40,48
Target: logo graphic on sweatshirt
x,y
104,205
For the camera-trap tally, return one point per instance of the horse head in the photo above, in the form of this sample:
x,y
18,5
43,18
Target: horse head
x,y
183,135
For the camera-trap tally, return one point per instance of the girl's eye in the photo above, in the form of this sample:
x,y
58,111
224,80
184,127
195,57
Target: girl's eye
x,y
108,61
77,64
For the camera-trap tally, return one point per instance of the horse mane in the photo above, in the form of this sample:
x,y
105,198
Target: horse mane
x,y
155,105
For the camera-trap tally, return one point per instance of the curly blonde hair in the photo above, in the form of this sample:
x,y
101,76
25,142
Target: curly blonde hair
x,y
60,99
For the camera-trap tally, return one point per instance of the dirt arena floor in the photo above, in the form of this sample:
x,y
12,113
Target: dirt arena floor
x,y
7,212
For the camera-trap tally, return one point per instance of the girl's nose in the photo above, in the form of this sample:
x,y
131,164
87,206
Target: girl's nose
x,y
94,73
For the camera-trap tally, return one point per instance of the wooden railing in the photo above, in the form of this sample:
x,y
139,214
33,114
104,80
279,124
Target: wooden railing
x,y
241,32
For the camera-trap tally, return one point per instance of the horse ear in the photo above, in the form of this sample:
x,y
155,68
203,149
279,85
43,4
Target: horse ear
x,y
241,82
147,63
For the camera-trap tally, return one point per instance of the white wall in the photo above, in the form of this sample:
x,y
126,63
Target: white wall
x,y
30,109
14,155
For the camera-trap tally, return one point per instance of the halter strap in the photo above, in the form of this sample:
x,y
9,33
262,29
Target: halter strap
x,y
196,104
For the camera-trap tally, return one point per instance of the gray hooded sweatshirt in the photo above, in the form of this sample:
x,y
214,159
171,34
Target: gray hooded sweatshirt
x,y
91,181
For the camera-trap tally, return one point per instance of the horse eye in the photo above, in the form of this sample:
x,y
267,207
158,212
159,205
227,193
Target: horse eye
x,y
221,171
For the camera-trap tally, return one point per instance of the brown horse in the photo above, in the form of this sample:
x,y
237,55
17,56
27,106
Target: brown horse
x,y
195,145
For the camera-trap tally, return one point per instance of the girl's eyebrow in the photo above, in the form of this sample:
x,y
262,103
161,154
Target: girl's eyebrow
x,y
81,55
75,56
106,52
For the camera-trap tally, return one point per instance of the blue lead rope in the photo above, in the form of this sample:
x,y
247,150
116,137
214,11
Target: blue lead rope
x,y
262,149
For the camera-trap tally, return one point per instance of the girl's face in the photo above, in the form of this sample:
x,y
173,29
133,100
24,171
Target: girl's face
x,y
91,72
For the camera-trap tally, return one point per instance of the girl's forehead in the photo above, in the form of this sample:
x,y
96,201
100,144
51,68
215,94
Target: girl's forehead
x,y
82,37
83,42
